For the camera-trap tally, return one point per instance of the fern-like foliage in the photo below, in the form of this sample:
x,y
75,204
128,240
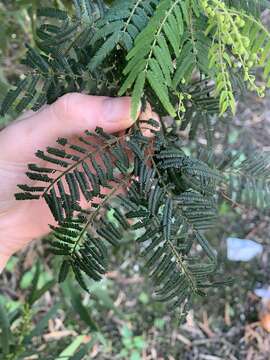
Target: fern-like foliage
x,y
58,63
151,59
168,42
248,180
170,200
248,42
185,58
194,52
253,7
121,24
83,178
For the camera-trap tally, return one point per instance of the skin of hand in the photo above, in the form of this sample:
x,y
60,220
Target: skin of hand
x,y
70,115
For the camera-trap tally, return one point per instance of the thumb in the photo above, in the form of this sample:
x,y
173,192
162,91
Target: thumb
x,y
70,115
80,112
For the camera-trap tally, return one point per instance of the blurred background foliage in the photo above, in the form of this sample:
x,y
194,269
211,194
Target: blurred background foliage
x,y
40,319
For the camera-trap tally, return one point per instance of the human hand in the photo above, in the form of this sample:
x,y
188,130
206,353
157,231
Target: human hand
x,y
21,222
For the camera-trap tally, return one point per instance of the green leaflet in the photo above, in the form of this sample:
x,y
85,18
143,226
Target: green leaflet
x,y
63,272
161,92
52,12
205,245
167,219
137,93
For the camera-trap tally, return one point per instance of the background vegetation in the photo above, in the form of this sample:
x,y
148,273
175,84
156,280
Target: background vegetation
x,y
119,320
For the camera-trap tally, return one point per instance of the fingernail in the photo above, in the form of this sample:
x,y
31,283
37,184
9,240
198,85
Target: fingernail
x,y
117,109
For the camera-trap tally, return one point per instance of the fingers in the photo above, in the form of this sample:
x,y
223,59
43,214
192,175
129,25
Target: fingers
x,y
70,115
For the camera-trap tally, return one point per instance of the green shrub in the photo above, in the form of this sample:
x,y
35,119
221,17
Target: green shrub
x,y
190,60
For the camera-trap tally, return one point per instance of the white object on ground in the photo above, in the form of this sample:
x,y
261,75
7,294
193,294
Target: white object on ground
x,y
263,293
242,249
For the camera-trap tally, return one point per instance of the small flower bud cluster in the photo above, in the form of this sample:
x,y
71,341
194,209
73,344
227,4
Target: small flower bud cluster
x,y
183,97
227,26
